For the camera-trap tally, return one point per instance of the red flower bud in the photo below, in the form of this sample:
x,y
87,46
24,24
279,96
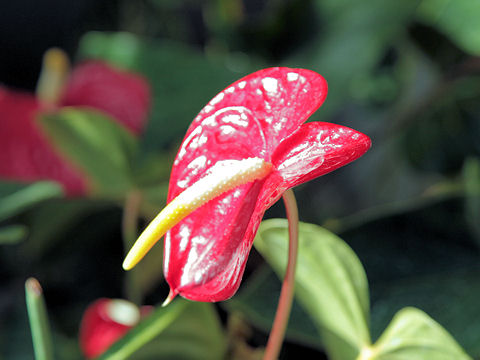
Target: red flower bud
x,y
106,321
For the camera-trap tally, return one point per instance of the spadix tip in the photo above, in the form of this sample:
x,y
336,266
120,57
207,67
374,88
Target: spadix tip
x,y
170,297
223,176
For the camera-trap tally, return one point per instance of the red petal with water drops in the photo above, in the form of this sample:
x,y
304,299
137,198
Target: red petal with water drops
x,y
280,99
204,250
25,153
124,96
205,254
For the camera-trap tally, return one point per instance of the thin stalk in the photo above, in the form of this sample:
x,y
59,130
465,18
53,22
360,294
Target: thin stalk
x,y
280,322
37,315
131,211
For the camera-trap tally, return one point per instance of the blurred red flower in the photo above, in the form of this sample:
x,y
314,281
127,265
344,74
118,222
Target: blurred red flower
x,y
26,153
106,321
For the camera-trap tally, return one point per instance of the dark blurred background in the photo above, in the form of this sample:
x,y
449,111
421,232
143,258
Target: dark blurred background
x,y
407,73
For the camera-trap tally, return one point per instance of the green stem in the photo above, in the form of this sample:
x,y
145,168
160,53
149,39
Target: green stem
x,y
131,212
37,315
286,296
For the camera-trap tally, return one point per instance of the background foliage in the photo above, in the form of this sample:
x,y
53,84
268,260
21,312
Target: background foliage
x,y
407,73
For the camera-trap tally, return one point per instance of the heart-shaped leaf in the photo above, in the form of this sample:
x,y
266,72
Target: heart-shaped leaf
x,y
330,283
414,335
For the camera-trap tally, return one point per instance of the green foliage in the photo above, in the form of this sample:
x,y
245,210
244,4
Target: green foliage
x,y
183,80
330,283
12,234
352,30
257,301
453,305
404,72
471,174
456,18
99,146
331,286
16,198
412,334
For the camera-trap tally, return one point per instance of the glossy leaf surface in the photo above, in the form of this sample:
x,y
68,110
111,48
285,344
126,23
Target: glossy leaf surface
x,y
412,334
330,283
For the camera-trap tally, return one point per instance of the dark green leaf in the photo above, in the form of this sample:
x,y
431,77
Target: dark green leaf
x,y
16,198
330,283
450,297
434,194
49,222
97,144
471,175
355,35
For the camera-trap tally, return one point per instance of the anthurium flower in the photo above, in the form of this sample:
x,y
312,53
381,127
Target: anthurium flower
x,y
246,147
122,95
26,153
106,321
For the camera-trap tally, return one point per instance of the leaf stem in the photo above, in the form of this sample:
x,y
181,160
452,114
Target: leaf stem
x,y
37,315
280,322
131,210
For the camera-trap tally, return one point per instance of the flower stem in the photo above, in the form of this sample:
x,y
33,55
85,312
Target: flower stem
x,y
131,212
279,327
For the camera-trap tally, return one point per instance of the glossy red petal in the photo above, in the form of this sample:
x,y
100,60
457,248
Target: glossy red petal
x,y
206,250
25,153
205,254
316,149
281,99
124,96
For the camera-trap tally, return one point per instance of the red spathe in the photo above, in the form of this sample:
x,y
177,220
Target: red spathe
x,y
261,115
